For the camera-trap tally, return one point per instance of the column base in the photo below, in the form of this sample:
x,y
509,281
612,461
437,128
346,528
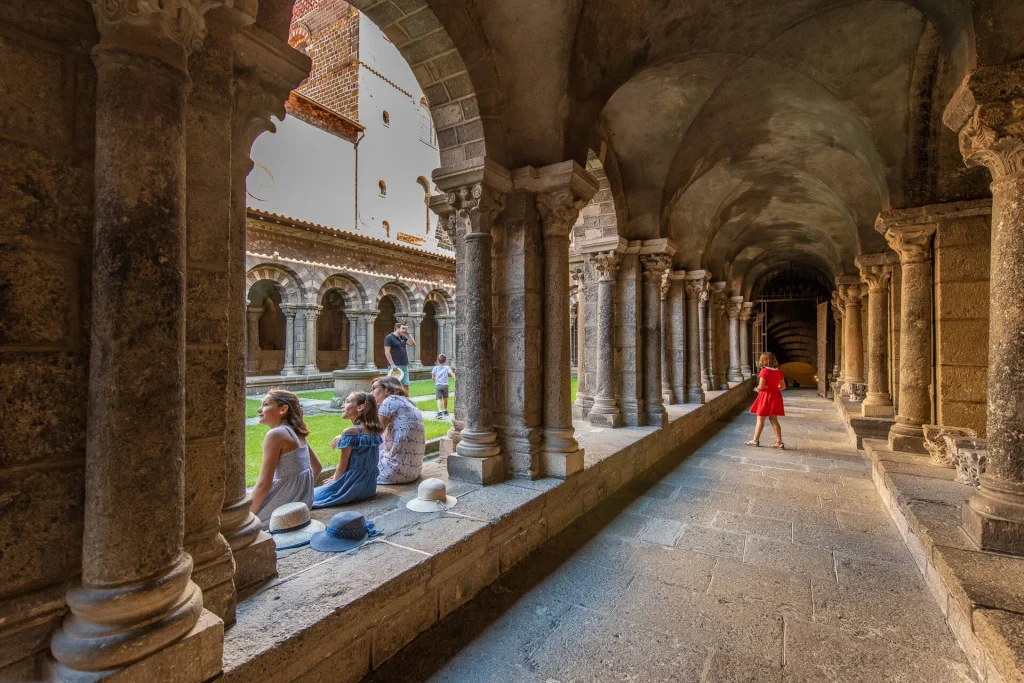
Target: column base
x,y
485,471
611,419
290,371
732,384
694,395
734,376
194,658
668,397
656,416
746,373
632,411
995,520
255,564
311,370
446,446
877,405
562,465
906,437
216,579
581,407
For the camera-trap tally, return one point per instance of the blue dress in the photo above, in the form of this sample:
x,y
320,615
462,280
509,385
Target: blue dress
x,y
360,479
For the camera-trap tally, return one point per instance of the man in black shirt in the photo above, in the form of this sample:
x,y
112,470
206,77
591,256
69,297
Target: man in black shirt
x,y
396,352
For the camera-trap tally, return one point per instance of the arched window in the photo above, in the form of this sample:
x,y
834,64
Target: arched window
x,y
387,118
387,228
383,188
427,134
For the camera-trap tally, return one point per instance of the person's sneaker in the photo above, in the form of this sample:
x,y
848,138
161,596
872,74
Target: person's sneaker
x,y
446,413
439,415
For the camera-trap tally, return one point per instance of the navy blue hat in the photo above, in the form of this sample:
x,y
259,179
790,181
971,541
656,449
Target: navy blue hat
x,y
345,531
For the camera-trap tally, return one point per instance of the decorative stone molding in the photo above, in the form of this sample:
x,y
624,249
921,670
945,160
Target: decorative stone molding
x,y
851,293
994,138
733,309
696,286
719,299
837,305
970,459
655,265
168,29
746,311
607,264
940,442
558,211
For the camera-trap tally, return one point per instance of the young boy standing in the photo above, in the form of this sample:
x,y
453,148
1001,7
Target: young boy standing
x,y
441,372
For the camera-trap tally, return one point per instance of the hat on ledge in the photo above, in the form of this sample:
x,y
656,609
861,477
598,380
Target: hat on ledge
x,y
345,531
291,526
431,496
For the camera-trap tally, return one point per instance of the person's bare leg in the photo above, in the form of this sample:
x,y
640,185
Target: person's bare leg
x,y
757,431
777,428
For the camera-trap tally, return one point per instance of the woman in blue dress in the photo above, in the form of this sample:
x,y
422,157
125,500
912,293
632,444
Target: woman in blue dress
x,y
356,476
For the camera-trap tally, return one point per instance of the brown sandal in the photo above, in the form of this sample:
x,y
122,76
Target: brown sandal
x,y
754,442
778,444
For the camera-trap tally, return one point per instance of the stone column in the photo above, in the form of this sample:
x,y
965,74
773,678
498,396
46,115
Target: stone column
x,y
705,334
716,344
837,318
913,242
746,311
876,273
696,287
416,324
288,310
312,313
367,352
605,411
256,101
583,389
477,203
850,289
994,137
252,339
677,301
654,267
298,360
135,596
733,309
668,333
561,454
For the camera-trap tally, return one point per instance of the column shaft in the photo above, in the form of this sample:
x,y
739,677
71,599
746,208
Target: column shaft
x,y
695,287
702,324
252,340
677,301
668,333
734,306
853,340
876,275
745,311
289,340
654,266
312,313
605,411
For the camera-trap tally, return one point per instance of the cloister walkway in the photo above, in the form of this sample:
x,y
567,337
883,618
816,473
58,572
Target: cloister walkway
x,y
731,564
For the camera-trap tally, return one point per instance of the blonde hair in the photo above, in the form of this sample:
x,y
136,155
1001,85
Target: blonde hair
x,y
767,360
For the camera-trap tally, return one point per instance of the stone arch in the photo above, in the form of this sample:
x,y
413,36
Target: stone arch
x,y
349,287
405,299
291,287
443,302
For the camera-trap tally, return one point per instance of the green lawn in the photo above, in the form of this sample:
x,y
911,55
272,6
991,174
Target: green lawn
x,y
322,429
572,390
425,387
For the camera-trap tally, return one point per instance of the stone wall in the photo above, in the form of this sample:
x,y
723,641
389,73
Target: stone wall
x,y
328,32
47,113
962,255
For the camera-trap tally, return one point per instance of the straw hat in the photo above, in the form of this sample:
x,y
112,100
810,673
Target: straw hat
x,y
345,531
431,496
291,526
396,372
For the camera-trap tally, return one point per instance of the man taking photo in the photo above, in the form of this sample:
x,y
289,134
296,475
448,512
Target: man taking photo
x,y
396,351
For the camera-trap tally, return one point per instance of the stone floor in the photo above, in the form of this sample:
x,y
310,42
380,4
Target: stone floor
x,y
730,564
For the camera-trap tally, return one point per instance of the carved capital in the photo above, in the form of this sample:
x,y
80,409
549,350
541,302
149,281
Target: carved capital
x,y
476,207
558,211
733,309
607,264
718,298
914,245
578,271
837,305
851,294
994,138
745,314
168,29
877,278
695,288
666,284
254,110
655,265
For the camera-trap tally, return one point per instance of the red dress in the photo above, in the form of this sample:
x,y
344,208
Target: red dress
x,y
769,399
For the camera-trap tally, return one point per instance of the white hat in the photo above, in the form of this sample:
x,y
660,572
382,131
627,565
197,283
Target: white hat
x,y
431,496
396,372
291,526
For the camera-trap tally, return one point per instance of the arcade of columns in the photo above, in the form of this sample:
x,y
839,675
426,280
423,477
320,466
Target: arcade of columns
x,y
167,541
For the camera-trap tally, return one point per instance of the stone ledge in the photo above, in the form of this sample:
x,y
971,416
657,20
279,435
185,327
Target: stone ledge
x,y
981,594
337,617
859,427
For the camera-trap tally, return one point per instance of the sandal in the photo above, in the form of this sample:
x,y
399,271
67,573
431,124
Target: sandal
x,y
778,444
753,442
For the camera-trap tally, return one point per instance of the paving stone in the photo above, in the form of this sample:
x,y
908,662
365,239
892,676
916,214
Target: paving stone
x,y
907,488
584,584
661,531
1003,635
694,481
709,540
816,653
802,559
781,591
886,547
861,572
758,526
867,523
715,499
983,579
672,566
726,668
794,513
680,511
778,495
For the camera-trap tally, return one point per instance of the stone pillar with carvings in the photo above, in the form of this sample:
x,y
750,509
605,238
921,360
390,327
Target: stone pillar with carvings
x,y
991,107
311,315
654,267
289,367
252,339
912,240
135,598
717,342
696,287
585,384
476,204
677,302
852,292
605,411
415,322
746,314
559,206
704,325
733,309
366,350
837,318
876,273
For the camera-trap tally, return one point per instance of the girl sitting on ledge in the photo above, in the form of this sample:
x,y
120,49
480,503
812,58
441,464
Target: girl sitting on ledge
x,y
290,466
356,476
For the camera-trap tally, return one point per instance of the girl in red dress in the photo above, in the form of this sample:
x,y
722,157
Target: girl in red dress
x,y
769,399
